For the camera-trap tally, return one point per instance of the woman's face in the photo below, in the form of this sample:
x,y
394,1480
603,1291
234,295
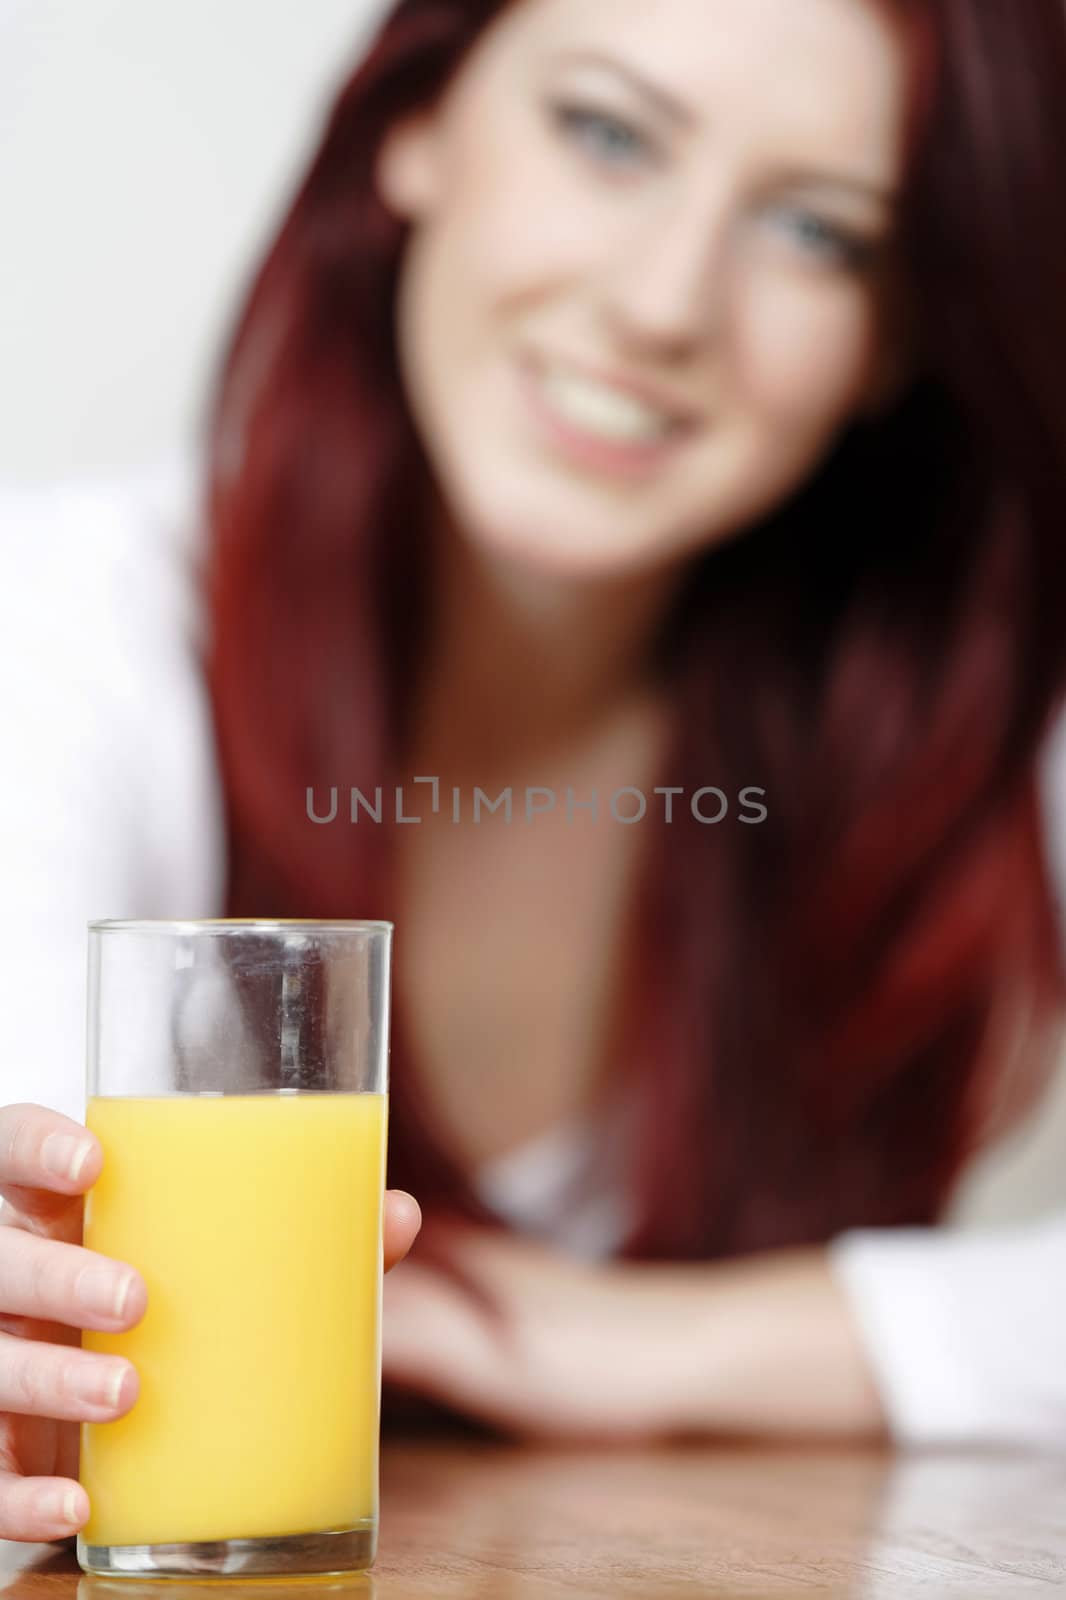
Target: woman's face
x,y
649,270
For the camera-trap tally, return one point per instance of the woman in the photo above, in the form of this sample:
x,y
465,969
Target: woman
x,y
649,404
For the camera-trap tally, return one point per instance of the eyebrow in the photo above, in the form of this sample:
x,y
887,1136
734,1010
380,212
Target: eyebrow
x,y
869,188
685,118
670,108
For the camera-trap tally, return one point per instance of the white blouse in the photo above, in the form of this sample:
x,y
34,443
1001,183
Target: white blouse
x,y
110,806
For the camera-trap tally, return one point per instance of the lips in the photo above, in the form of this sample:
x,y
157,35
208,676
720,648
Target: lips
x,y
602,424
625,409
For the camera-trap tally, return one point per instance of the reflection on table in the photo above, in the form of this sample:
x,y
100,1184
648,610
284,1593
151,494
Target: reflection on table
x,y
465,1516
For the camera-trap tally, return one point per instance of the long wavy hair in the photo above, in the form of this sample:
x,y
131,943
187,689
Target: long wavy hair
x,y
826,1014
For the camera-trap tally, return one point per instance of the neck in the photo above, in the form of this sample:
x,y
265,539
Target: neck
x,y
523,666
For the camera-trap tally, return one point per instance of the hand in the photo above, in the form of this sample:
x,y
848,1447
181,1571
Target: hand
x,y
540,1345
48,1384
545,1347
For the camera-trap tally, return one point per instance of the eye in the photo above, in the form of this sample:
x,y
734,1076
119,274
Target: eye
x,y
826,243
609,139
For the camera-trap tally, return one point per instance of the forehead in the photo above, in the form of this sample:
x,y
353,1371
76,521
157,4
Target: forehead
x,y
829,73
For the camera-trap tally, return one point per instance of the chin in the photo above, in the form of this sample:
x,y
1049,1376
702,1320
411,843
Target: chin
x,y
525,547
537,537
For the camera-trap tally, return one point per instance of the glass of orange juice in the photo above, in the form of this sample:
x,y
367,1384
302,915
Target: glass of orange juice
x,y
238,1084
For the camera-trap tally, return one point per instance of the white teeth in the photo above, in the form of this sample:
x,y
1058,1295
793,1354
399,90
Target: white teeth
x,y
595,408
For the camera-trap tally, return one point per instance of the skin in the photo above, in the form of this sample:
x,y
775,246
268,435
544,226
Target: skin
x,y
611,1352
697,196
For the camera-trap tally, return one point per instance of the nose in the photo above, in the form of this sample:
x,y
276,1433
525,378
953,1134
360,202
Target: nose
x,y
664,288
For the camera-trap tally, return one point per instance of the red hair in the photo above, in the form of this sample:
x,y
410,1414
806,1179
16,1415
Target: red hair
x,y
826,1012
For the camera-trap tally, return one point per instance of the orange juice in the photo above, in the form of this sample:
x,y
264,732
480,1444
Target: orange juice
x,y
256,1223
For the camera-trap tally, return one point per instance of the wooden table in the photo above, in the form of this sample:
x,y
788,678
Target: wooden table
x,y
473,1518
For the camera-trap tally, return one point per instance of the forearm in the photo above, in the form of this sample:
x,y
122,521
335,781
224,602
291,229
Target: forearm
x,y
764,1345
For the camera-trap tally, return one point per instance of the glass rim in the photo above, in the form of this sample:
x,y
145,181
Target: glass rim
x,y
217,926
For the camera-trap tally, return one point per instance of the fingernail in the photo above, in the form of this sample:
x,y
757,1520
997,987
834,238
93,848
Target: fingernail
x,y
62,1507
100,1292
115,1384
64,1155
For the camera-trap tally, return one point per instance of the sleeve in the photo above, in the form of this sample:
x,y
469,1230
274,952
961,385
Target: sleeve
x,y
108,803
966,1330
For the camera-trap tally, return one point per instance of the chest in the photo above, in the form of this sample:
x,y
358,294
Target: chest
x,y
508,955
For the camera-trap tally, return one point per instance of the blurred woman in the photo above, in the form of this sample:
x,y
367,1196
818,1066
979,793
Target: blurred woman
x,y
655,415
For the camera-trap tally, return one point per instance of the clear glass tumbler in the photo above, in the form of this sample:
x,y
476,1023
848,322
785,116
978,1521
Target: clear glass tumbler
x,y
238,1083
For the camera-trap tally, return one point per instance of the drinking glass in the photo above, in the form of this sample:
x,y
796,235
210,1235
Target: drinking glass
x,y
238,1084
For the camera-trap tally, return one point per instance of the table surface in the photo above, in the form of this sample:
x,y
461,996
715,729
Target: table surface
x,y
466,1518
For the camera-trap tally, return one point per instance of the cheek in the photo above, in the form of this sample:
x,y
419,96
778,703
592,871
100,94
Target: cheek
x,y
506,240
513,222
495,213
803,352
459,263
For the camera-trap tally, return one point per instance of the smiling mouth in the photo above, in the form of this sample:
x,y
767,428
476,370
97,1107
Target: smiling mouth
x,y
602,411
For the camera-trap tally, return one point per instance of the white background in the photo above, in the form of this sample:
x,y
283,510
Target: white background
x,y
145,149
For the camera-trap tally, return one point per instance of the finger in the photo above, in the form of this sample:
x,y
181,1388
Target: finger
x,y
47,1160
47,1380
40,1509
403,1218
58,1282
476,1258
436,1344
